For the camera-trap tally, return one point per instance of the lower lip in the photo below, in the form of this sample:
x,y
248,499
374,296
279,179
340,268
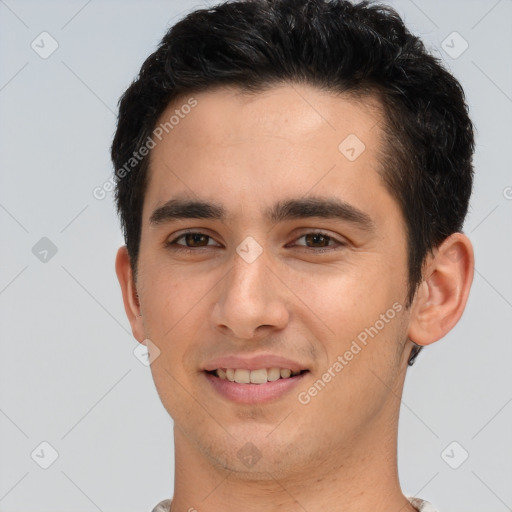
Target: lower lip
x,y
253,393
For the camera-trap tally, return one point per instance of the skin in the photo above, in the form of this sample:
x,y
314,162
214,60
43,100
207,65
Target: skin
x,y
245,152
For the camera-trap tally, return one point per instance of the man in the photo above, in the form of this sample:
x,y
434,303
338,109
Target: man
x,y
292,181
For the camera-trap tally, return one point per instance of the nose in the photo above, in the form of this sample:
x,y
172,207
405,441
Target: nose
x,y
251,301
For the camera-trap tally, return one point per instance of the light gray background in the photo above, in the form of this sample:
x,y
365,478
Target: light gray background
x,y
68,374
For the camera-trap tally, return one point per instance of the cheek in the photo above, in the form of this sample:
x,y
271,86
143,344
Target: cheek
x,y
346,298
352,389
175,393
355,313
171,293
174,313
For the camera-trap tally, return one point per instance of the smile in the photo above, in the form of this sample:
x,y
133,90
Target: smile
x,y
261,376
259,386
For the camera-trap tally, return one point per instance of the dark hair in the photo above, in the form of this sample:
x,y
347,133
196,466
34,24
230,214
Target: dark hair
x,y
363,50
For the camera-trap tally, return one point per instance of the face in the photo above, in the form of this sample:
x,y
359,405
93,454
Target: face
x,y
292,257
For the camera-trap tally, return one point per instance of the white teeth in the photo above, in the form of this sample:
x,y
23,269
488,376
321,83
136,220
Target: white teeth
x,y
273,374
242,376
260,376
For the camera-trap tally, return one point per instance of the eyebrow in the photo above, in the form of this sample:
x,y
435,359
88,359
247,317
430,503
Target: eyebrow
x,y
289,209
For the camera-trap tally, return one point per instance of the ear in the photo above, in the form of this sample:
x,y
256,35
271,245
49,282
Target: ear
x,y
130,297
441,297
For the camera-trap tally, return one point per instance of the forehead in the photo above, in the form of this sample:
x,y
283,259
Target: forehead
x,y
246,147
289,111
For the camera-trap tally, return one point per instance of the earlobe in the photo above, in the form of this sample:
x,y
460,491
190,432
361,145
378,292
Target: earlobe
x,y
129,291
442,296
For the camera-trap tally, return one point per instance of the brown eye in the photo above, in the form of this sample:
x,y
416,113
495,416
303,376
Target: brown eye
x,y
196,239
192,240
317,239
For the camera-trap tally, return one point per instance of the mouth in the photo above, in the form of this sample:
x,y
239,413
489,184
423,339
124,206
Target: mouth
x,y
244,386
260,376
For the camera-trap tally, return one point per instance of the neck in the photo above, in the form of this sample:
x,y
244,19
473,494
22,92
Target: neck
x,y
360,476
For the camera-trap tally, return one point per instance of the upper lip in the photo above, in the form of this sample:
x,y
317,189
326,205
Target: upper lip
x,y
254,362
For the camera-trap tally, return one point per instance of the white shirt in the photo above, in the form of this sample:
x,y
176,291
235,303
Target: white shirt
x,y
417,503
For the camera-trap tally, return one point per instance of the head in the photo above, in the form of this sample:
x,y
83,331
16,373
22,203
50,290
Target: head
x,y
247,106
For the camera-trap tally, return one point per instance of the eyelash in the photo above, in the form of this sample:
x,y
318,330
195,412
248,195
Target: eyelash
x,y
183,248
